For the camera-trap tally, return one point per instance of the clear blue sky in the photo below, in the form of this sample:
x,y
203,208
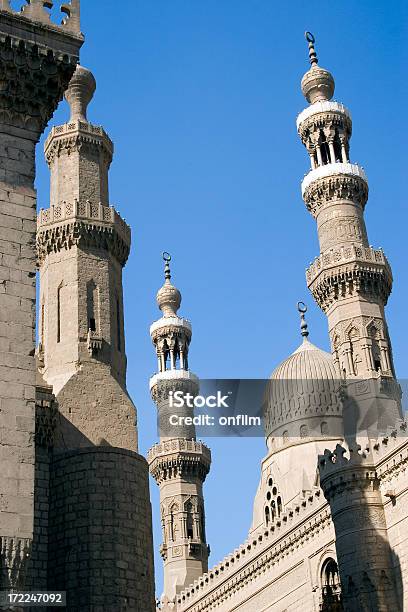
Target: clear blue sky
x,y
201,99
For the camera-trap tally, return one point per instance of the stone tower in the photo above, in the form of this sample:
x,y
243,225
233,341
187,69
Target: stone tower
x,y
82,246
179,463
92,482
351,282
37,60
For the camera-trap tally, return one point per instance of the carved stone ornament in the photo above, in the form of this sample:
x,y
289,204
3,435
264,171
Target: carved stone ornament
x,y
37,61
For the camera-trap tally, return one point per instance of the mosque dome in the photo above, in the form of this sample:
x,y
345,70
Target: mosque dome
x,y
303,393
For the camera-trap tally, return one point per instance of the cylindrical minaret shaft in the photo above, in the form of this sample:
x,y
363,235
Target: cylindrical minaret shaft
x,y
179,463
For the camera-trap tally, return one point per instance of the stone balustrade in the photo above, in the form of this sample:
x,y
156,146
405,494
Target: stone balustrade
x,y
325,106
86,211
344,255
72,127
165,322
179,445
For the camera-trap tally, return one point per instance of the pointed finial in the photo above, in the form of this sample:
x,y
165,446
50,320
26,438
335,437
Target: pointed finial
x,y
167,259
302,309
312,53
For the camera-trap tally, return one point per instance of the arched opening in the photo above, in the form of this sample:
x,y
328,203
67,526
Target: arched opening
x,y
337,148
331,588
279,505
189,520
324,149
267,516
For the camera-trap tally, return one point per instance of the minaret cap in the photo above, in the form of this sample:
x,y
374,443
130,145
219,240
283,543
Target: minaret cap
x,y
317,83
168,296
80,92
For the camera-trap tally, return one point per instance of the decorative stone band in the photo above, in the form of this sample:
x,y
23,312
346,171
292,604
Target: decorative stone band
x,y
363,273
14,559
185,549
36,11
166,324
177,458
173,375
163,383
82,224
258,554
325,106
65,137
331,171
39,65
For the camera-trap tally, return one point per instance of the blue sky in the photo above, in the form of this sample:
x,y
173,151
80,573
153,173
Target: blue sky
x,y
200,99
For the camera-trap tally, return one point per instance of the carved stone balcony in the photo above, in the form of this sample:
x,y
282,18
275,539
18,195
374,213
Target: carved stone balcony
x,y
173,458
86,223
333,170
169,323
347,271
325,106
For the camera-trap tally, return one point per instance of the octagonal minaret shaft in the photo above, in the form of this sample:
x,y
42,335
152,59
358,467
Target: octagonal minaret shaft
x,y
179,463
350,280
82,247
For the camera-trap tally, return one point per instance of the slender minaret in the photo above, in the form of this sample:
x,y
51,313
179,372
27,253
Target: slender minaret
x,y
179,463
350,280
82,246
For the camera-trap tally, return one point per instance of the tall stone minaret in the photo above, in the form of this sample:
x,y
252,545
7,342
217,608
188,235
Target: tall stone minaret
x,y
82,246
351,282
179,463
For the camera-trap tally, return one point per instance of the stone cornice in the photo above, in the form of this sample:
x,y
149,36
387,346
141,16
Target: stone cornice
x,y
37,60
326,106
255,556
82,224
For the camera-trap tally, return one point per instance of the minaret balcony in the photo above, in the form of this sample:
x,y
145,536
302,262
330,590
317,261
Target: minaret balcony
x,y
173,375
167,324
333,171
76,222
322,107
94,134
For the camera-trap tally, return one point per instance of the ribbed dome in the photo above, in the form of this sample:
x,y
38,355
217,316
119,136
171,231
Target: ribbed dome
x,y
307,362
302,392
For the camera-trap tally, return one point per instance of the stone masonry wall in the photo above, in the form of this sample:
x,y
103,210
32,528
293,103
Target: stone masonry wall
x,y
100,538
17,328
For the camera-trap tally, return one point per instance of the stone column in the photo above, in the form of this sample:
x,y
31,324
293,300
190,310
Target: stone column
x,y
37,60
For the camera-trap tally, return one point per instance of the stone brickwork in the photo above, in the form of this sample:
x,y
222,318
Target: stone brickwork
x,y
100,531
37,60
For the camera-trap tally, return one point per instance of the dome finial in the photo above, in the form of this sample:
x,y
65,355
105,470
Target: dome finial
x,y
302,309
168,297
312,53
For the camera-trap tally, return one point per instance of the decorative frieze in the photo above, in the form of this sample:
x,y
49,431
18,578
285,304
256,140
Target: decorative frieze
x,y
179,458
73,137
14,559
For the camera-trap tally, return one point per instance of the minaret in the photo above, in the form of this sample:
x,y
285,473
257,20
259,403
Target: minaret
x,y
350,280
179,463
82,246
